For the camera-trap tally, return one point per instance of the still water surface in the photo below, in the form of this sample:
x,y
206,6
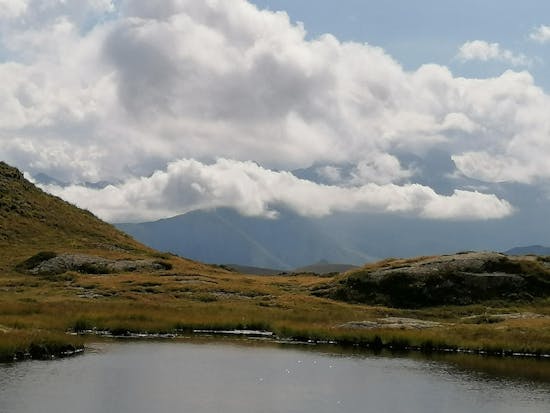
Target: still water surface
x,y
232,377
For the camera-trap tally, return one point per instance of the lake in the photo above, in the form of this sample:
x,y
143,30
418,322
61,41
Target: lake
x,y
247,376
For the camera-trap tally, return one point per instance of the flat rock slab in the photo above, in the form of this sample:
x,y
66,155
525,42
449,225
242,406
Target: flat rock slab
x,y
399,323
507,316
90,264
469,263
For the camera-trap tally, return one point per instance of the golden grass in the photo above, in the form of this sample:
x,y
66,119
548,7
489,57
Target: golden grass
x,y
194,296
19,344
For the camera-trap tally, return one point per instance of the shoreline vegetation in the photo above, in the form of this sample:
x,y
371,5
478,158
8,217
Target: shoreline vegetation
x,y
36,335
38,310
44,346
62,270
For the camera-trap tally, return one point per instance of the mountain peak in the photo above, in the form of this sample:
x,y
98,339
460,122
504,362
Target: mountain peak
x,y
9,173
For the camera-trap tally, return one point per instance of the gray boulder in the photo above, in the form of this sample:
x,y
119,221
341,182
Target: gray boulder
x,y
89,264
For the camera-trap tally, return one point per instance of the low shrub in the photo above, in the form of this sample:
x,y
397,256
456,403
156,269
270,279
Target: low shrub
x,y
164,265
35,260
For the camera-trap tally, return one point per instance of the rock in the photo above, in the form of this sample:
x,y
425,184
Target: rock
x,y
400,323
498,317
90,264
458,279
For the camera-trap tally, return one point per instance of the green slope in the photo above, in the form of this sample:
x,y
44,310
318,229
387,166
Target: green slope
x,y
31,220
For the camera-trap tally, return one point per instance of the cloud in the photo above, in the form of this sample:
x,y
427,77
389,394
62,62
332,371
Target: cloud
x,y
187,185
484,51
541,34
101,90
514,145
383,169
12,8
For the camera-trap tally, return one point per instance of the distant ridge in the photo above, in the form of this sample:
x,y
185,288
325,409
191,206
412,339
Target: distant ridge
x,y
322,267
222,235
245,269
531,249
325,267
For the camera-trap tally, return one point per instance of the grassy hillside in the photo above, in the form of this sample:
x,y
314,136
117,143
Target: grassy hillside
x,y
31,220
63,270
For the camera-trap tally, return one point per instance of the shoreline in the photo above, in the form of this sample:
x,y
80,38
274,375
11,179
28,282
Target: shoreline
x,y
43,351
376,345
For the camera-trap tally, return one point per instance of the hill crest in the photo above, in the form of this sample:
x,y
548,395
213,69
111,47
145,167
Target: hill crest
x,y
32,221
456,279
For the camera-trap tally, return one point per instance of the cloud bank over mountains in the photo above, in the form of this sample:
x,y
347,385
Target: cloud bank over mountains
x,y
173,99
253,190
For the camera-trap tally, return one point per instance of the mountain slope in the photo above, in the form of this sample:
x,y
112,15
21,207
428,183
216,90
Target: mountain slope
x,y
225,236
32,221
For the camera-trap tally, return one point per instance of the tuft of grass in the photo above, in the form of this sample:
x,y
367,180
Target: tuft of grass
x,y
82,324
19,345
35,260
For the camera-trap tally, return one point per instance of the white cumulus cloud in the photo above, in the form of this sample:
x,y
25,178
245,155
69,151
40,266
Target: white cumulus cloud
x,y
187,185
485,51
12,8
541,34
104,90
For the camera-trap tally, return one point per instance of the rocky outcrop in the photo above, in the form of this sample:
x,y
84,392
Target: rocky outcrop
x,y
394,323
457,279
52,264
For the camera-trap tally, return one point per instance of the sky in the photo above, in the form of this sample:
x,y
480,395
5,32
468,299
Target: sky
x,y
435,110
430,31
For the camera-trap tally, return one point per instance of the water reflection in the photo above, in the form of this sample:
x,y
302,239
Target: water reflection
x,y
489,367
236,376
496,368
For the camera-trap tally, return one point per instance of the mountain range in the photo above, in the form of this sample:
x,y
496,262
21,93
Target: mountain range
x,y
225,236
529,250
